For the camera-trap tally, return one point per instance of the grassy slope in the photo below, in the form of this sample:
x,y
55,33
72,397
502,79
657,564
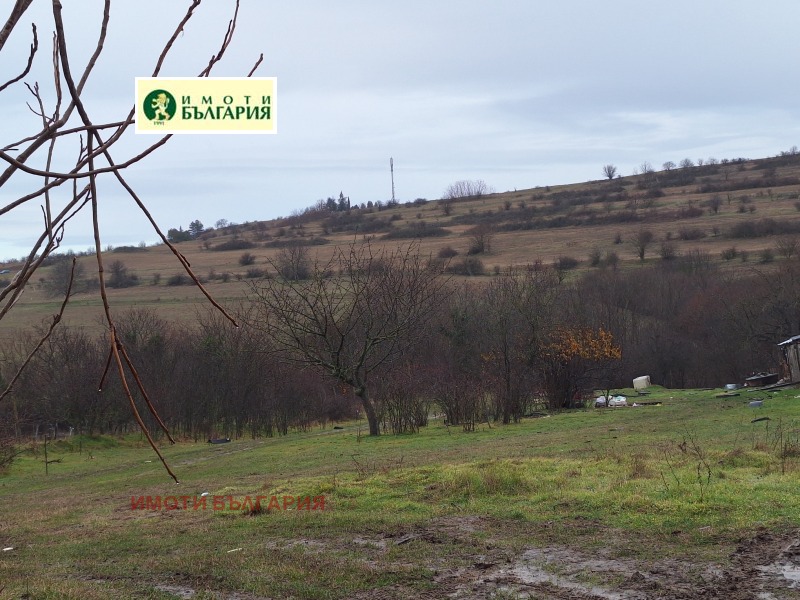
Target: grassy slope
x,y
623,482
508,247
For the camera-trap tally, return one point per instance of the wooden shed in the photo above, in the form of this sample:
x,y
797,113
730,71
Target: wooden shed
x,y
791,357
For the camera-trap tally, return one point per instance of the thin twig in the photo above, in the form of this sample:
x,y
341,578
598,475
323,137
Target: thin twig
x,y
144,393
34,48
255,66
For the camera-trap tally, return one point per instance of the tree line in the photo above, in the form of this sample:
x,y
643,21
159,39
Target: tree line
x,y
384,334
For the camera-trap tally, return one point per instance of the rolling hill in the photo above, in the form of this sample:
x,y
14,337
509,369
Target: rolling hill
x,y
737,213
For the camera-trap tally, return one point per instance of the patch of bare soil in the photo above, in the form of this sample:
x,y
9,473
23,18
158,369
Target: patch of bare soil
x,y
763,567
185,592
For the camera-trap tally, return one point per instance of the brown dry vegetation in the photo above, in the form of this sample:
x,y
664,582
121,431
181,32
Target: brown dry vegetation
x,y
543,224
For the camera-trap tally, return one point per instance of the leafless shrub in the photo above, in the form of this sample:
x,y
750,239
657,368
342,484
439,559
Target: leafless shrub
x,y
293,263
467,188
469,265
788,246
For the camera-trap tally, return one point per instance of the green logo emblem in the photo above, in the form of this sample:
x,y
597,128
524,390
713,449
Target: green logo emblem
x,y
159,105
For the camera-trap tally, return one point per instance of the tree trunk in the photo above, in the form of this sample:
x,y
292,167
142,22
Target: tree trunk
x,y
369,408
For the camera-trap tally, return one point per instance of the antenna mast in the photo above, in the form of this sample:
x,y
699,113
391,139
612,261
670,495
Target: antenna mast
x,y
391,168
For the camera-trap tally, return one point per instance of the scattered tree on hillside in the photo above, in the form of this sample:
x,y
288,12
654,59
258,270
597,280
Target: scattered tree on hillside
x,y
481,237
247,259
120,276
642,242
195,228
610,171
293,263
342,204
466,188
177,236
446,205
714,203
63,274
788,246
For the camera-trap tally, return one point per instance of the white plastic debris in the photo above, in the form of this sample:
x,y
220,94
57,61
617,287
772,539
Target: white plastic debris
x,y
612,401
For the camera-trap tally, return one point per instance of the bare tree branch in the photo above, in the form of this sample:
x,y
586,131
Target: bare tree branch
x,y
20,6
34,48
54,130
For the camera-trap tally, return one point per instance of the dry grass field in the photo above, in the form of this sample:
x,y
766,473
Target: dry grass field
x,y
749,208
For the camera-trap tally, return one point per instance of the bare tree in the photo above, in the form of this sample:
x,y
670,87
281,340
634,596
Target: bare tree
x,y
516,309
668,166
714,203
120,276
787,246
481,237
63,274
467,188
293,263
68,124
610,171
642,241
355,314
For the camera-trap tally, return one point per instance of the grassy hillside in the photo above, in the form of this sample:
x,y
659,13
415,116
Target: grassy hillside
x,y
748,211
680,500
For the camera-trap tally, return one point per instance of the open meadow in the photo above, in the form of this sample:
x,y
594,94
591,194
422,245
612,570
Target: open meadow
x,y
695,496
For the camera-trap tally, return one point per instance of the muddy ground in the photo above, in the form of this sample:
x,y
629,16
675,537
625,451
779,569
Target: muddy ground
x,y
478,561
765,566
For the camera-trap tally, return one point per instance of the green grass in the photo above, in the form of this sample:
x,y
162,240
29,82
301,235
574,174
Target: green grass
x,y
687,478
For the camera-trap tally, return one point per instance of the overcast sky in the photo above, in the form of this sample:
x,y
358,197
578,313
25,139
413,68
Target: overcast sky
x,y
517,93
